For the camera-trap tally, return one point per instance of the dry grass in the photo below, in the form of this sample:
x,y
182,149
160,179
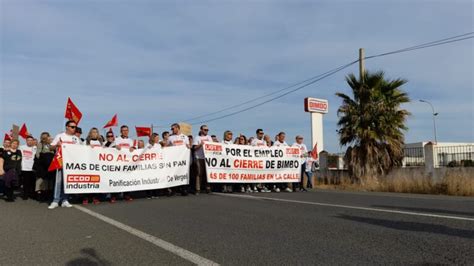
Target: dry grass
x,y
452,181
459,182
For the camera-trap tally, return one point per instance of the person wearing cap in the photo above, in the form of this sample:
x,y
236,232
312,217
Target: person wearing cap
x,y
303,151
280,142
199,141
227,140
259,141
79,133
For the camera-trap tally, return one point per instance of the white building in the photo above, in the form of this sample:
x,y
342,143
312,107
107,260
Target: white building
x,y
445,153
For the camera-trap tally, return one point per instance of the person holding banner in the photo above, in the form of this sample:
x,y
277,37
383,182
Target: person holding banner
x,y
140,144
242,140
227,139
110,143
67,137
153,143
93,140
199,141
178,139
124,142
109,140
304,151
259,141
79,134
268,140
280,142
165,135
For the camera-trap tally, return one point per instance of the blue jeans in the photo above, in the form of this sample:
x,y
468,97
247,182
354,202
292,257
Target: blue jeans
x,y
59,188
310,178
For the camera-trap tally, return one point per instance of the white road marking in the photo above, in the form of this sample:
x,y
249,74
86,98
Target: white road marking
x,y
181,252
349,207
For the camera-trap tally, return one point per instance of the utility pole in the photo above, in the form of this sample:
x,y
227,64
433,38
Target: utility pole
x,y
361,63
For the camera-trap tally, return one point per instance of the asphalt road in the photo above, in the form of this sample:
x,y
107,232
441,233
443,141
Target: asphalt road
x,y
318,227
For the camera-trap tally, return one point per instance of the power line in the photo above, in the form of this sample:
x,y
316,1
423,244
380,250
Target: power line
x,y
329,73
426,45
319,77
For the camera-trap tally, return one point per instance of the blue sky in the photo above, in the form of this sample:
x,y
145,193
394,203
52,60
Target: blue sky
x,y
164,61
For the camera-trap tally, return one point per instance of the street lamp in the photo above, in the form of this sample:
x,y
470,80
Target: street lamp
x,y
434,122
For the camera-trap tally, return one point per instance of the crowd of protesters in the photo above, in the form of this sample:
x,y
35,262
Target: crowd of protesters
x,y
25,168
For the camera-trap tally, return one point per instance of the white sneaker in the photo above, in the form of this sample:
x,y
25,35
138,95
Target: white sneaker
x,y
249,190
266,190
255,190
66,204
242,189
288,189
277,190
53,205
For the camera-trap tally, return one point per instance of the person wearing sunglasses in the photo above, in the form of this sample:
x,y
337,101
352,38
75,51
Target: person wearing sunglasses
x,y
109,140
66,137
259,141
110,143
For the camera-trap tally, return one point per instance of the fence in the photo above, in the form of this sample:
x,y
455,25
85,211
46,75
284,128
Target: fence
x,y
413,157
454,156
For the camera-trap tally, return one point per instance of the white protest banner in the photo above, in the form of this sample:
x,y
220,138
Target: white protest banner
x,y
108,170
247,164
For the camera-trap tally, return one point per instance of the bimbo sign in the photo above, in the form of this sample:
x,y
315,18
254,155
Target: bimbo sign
x,y
314,105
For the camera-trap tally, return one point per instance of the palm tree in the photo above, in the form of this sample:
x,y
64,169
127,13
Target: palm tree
x,y
372,124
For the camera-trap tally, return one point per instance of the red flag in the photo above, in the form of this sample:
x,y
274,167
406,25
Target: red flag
x,y
112,123
23,131
7,137
72,112
143,131
57,162
314,152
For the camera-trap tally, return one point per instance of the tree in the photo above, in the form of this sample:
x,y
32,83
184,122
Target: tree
x,y
372,124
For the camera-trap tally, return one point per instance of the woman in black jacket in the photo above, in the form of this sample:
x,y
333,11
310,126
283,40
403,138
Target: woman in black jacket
x,y
12,168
